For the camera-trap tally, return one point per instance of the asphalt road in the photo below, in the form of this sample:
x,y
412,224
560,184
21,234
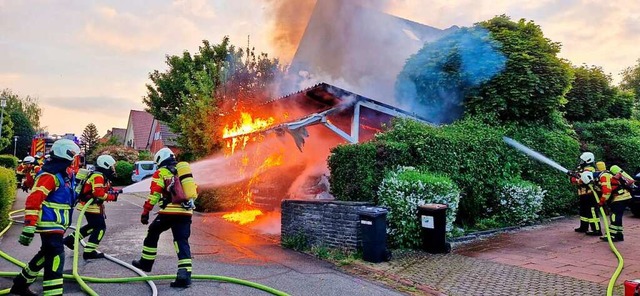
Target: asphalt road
x,y
219,248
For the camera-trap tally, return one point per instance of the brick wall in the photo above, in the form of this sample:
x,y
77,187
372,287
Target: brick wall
x,y
324,223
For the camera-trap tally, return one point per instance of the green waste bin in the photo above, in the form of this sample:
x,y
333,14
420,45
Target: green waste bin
x,y
433,228
373,226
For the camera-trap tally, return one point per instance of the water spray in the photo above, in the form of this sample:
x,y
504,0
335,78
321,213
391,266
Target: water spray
x,y
539,157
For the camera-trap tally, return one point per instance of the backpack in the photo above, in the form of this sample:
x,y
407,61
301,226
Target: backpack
x,y
624,179
81,179
175,190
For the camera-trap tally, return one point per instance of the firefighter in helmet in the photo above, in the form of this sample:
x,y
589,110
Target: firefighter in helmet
x,y
617,196
174,216
96,186
48,211
588,205
30,171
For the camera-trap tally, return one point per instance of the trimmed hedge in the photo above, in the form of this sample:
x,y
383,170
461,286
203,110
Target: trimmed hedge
x,y
123,171
616,141
7,194
8,161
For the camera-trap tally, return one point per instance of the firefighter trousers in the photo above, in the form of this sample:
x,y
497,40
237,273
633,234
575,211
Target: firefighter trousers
x,y
589,213
51,258
617,211
94,229
180,226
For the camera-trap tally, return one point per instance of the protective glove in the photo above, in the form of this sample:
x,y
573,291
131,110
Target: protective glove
x,y
144,218
27,235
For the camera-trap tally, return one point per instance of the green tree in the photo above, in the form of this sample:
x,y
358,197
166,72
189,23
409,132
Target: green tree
x,y
591,95
6,139
90,138
24,130
631,79
526,81
623,104
196,89
28,105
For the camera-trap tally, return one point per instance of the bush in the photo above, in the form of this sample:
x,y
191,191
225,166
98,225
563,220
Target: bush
x,y
617,139
123,170
8,161
7,194
145,155
219,199
402,191
518,202
127,154
562,146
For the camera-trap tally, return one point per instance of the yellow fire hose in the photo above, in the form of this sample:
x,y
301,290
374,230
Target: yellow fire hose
x,y
81,279
616,273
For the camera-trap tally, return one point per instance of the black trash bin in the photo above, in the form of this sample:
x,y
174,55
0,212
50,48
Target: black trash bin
x,y
433,228
373,224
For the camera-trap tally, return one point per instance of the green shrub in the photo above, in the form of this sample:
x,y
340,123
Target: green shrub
x,y
402,191
123,170
561,146
297,241
518,202
7,194
617,139
145,155
219,199
8,161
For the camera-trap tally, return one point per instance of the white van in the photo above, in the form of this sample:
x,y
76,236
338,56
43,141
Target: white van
x,y
143,169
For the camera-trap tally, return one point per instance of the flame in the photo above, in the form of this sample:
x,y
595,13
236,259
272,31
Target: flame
x,y
243,217
238,133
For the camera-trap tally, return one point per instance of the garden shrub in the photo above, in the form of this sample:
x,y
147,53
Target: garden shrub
x,y
403,190
220,199
123,171
8,161
7,194
518,202
127,154
618,139
559,145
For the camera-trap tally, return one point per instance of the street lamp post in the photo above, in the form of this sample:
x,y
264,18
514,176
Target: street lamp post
x,y
3,103
15,143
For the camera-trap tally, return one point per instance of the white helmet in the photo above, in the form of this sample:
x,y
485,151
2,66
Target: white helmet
x,y
587,157
29,159
65,149
162,155
105,162
586,177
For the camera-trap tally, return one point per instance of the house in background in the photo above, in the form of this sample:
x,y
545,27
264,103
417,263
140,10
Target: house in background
x,y
138,130
161,136
117,133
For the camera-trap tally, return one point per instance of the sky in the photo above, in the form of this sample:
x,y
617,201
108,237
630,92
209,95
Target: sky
x,y
89,61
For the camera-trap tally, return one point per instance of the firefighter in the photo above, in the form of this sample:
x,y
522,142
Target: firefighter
x,y
20,172
587,202
29,173
48,211
97,185
174,216
618,198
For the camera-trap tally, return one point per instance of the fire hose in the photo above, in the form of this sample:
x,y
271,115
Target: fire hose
x,y
81,279
539,157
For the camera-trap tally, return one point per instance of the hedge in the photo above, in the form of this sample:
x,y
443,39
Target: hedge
x,y
7,194
123,172
8,161
616,141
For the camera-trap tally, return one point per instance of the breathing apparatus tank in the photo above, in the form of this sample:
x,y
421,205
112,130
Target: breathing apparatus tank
x,y
186,180
81,179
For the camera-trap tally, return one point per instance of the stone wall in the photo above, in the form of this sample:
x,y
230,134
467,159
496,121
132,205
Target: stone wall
x,y
324,223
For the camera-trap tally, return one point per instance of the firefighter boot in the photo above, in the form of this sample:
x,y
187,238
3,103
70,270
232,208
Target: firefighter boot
x,y
21,290
594,233
618,237
183,279
92,255
143,264
68,241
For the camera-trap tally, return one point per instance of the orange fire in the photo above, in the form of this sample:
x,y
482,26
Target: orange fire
x,y
238,135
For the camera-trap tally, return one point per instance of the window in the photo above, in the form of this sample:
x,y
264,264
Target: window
x,y
146,166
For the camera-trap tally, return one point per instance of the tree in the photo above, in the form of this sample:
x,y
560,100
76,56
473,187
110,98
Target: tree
x,y
525,82
24,130
196,89
90,138
7,130
28,105
591,95
631,80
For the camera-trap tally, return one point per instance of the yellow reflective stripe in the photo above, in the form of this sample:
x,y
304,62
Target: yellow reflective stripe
x,y
55,205
53,292
40,262
100,235
52,282
31,212
148,257
42,189
175,246
154,198
149,249
183,261
56,263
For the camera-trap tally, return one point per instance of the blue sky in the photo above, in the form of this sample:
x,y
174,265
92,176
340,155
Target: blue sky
x,y
88,61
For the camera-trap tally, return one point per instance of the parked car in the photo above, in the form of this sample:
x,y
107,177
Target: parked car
x,y
143,169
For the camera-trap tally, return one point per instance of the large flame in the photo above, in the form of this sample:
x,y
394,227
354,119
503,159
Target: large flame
x,y
238,135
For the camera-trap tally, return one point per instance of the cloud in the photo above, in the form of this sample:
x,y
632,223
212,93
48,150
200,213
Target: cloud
x,y
92,105
197,8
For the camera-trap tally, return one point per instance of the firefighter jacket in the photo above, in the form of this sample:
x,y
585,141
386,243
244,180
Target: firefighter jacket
x,y
30,172
583,189
97,188
159,195
612,189
20,169
49,206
